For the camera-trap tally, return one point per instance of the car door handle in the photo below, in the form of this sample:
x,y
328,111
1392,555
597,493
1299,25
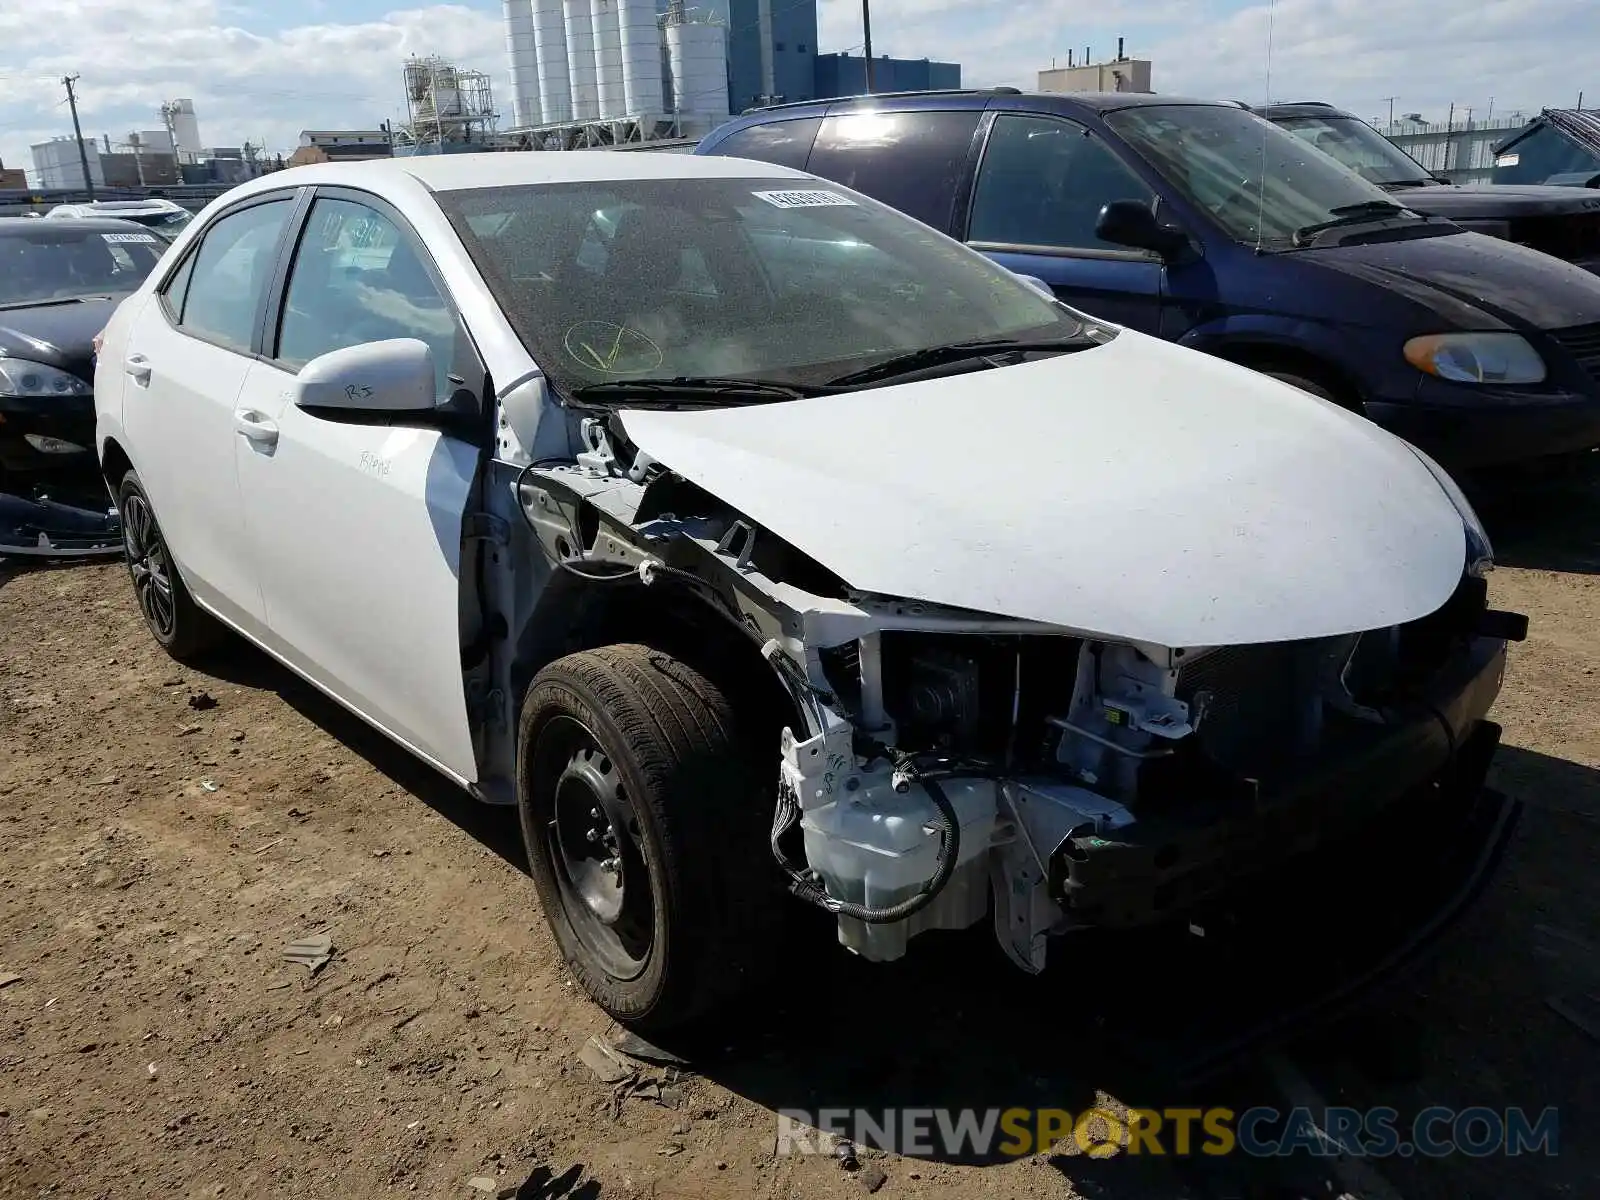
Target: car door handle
x,y
138,366
255,426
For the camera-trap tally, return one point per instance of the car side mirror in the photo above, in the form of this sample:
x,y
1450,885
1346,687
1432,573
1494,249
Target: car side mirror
x,y
391,376
1133,223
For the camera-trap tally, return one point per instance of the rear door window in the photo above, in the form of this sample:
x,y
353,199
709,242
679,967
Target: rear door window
x,y
222,292
786,143
914,161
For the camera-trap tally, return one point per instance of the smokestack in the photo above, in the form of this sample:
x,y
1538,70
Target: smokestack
x,y
1086,56
1119,50
1069,58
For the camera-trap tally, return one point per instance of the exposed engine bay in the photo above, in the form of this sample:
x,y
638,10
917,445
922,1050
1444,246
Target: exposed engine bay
x,y
940,765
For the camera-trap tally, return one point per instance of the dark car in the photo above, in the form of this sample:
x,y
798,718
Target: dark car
x,y
1562,221
1202,223
59,282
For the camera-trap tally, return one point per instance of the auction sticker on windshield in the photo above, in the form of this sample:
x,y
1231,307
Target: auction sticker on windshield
x,y
129,237
805,199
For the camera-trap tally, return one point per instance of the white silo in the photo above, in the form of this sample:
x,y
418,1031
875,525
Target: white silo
x,y
641,56
607,57
698,52
580,59
550,45
186,128
523,57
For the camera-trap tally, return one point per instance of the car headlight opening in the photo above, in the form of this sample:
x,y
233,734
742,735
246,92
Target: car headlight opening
x,y
19,377
1476,357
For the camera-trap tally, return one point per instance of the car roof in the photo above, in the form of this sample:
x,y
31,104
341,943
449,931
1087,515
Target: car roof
x,y
1009,98
1301,108
489,169
160,203
10,225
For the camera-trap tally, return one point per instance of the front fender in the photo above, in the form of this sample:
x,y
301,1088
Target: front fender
x,y
1343,354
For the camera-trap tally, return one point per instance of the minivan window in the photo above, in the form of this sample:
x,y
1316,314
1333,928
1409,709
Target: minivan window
x,y
913,161
1358,146
1257,182
746,278
1043,182
783,143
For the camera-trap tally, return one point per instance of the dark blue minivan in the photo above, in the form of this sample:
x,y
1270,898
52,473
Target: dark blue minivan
x,y
1202,223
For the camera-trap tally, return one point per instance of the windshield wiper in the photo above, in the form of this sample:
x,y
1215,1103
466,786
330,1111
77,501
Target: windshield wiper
x,y
1349,214
11,304
693,389
956,352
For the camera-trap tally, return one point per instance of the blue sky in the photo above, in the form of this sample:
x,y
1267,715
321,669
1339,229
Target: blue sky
x,y
265,69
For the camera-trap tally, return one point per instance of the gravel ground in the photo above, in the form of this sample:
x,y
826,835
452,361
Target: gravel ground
x,y
164,833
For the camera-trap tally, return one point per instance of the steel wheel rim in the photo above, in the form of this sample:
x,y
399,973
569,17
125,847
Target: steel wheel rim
x,y
595,848
149,564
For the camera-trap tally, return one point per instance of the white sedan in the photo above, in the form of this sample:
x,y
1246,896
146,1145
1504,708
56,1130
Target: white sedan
x,y
751,537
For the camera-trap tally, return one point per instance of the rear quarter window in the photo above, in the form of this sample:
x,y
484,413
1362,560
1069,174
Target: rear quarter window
x,y
913,161
784,143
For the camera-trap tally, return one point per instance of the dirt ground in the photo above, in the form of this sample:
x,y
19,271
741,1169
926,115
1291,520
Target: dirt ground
x,y
164,833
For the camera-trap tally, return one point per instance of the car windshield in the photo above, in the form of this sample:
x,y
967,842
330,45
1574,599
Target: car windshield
x,y
1358,146
1259,183
781,280
60,260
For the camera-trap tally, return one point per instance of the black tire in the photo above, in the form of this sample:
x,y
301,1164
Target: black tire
x,y
652,746
182,628
1307,385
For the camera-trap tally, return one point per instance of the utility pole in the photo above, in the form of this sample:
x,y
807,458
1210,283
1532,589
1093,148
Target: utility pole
x,y
1391,100
866,30
77,132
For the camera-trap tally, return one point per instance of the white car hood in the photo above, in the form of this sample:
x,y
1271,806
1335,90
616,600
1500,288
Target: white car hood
x,y
1137,491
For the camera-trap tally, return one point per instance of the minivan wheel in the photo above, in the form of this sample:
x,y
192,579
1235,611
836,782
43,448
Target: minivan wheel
x,y
643,830
184,630
1307,385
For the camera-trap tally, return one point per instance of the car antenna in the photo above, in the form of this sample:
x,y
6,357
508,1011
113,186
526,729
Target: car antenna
x,y
1261,207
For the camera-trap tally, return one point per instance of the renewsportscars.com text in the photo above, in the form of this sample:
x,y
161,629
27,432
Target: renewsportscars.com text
x,y
1434,1132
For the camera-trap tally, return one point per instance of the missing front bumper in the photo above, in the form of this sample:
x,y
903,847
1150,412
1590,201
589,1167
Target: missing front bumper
x,y
1165,866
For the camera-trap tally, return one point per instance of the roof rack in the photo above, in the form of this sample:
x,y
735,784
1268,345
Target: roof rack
x,y
990,91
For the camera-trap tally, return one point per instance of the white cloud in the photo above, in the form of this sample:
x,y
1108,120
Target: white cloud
x,y
323,72
131,55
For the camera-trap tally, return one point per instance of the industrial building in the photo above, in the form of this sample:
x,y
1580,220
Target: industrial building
x,y
615,72
598,72
141,159
1119,74
846,75
170,156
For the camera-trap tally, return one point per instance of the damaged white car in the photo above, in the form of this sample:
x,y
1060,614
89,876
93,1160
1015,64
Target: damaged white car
x,y
755,539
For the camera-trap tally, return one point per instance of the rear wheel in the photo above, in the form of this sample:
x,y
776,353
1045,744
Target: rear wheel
x,y
644,821
184,630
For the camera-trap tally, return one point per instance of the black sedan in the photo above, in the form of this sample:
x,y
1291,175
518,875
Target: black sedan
x,y
59,283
